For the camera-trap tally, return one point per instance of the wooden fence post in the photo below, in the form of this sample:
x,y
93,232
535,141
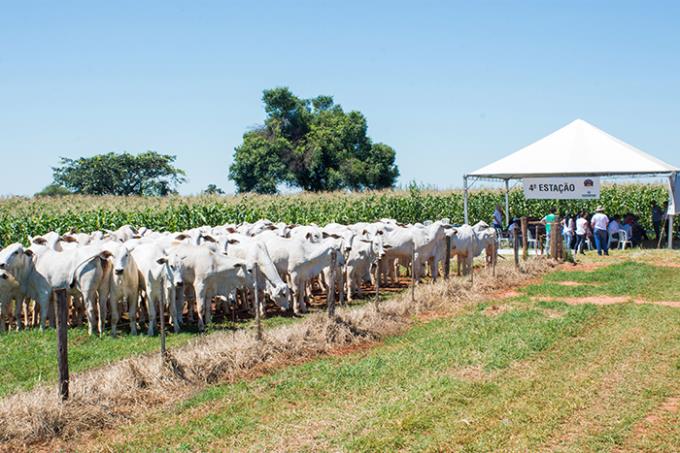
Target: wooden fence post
x,y
515,245
62,343
553,237
447,260
525,238
256,292
413,274
331,285
377,285
161,315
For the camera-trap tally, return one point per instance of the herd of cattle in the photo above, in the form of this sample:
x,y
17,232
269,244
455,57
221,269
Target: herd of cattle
x,y
140,270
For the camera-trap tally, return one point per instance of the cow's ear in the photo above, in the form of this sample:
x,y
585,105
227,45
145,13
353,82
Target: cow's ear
x,y
233,241
272,227
231,230
67,238
238,265
365,232
104,254
39,240
28,252
379,232
181,237
308,236
327,235
386,246
162,260
208,238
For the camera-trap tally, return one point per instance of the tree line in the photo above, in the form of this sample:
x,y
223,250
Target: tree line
x,y
308,144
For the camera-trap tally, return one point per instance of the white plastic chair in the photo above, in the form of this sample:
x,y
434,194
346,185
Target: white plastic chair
x,y
624,240
613,237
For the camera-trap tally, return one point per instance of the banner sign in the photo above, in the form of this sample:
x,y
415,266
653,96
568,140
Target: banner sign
x,y
568,188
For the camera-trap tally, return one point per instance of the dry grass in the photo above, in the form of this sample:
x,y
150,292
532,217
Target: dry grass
x,y
121,392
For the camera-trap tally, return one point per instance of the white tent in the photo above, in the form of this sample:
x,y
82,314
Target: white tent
x,y
577,149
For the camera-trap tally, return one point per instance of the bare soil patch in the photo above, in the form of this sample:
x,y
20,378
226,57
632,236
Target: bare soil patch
x,y
495,310
474,373
606,300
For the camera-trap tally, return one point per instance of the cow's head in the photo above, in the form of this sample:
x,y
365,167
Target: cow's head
x,y
121,260
14,257
174,268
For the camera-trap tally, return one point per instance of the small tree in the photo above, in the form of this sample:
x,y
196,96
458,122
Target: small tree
x,y
53,190
148,173
212,189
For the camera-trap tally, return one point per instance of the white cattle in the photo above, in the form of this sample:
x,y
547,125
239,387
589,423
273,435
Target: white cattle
x,y
401,247
124,285
211,274
39,274
367,250
161,275
468,242
300,261
9,291
254,252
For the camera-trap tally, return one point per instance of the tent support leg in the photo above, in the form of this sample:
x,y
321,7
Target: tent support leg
x,y
670,232
507,202
465,198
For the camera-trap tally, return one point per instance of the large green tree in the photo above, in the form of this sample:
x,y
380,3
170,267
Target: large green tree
x,y
311,144
148,173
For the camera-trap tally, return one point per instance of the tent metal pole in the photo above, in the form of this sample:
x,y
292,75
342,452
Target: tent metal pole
x,y
507,202
670,231
465,198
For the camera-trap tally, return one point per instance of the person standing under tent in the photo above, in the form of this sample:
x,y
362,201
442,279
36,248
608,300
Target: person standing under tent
x,y
581,233
600,222
547,221
568,227
498,216
657,218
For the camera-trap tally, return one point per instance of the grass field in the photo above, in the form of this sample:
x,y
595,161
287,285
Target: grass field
x,y
29,356
535,370
518,374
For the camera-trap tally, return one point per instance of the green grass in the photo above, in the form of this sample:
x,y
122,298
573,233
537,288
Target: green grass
x,y
29,357
637,280
538,376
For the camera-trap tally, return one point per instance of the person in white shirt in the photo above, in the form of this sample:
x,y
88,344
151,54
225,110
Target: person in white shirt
x,y
581,232
600,222
614,226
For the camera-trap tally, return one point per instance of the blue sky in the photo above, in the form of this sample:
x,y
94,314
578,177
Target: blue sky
x,y
451,86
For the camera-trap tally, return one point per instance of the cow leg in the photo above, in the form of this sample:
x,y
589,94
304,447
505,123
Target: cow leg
x,y
101,299
20,304
43,303
132,313
151,311
115,315
201,303
91,313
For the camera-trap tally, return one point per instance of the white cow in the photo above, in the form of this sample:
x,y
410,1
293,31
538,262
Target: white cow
x,y
299,261
161,275
210,274
39,274
124,284
9,291
254,252
367,250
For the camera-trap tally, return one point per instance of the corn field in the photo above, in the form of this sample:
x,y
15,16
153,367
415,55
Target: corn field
x,y
24,217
